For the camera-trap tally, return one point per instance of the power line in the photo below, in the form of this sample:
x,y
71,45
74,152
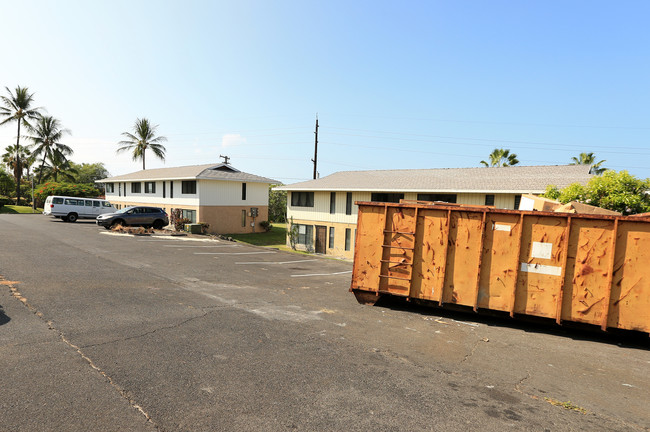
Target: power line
x,y
576,146
472,144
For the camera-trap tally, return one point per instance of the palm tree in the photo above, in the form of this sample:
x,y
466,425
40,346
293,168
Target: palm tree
x,y
47,134
143,138
589,159
18,107
15,158
501,158
58,166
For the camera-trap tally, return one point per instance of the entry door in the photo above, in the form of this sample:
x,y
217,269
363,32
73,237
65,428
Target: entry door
x,y
321,239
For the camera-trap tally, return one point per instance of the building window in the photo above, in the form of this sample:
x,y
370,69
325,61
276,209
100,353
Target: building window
x,y
243,191
448,198
489,200
171,189
331,240
110,187
517,201
190,215
188,187
124,184
305,235
136,187
348,203
302,199
150,187
387,197
332,202
243,218
348,235
164,188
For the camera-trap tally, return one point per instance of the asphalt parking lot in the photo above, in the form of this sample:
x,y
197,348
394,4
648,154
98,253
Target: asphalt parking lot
x,y
110,332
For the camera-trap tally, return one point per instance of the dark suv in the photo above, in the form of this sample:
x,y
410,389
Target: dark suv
x,y
143,216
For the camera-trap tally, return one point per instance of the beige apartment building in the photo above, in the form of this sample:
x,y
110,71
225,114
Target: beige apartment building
x,y
229,200
325,213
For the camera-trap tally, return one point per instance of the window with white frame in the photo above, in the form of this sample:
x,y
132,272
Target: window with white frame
x,y
188,187
150,187
305,235
189,214
302,199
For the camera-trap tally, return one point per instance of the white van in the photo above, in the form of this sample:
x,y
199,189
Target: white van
x,y
72,208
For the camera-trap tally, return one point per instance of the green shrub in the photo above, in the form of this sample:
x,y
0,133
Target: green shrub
x,y
66,189
618,191
5,201
266,226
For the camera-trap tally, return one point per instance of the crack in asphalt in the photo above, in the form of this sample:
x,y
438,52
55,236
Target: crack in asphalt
x,y
472,351
18,296
519,384
152,331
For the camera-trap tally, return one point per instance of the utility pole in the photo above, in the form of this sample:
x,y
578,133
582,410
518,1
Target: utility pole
x,y
315,159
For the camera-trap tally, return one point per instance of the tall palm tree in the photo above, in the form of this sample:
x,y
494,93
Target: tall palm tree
x,y
15,158
58,166
589,159
142,139
47,134
501,158
18,107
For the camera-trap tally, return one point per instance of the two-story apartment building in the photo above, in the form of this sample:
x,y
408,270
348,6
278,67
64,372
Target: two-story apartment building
x,y
326,216
229,200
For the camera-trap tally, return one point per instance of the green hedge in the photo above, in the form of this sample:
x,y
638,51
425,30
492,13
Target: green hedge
x,y
66,189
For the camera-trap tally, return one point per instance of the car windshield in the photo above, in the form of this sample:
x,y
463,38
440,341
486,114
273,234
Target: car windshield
x,y
124,210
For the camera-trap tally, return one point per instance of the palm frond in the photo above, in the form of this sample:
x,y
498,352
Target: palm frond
x,y
143,138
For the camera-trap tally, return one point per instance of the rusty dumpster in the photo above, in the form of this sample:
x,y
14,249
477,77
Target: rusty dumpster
x,y
592,269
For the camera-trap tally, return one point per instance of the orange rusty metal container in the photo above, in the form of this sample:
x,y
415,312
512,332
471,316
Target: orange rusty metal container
x,y
569,267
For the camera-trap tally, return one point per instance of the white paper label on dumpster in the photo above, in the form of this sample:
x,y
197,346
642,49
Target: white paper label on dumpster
x,y
541,250
541,269
502,227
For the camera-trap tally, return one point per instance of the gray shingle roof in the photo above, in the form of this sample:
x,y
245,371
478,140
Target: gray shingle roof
x,y
209,171
514,179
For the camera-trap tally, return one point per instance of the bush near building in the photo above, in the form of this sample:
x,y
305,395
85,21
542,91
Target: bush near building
x,y
614,190
81,190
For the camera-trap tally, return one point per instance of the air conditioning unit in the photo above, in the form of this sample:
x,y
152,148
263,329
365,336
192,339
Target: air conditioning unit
x,y
193,228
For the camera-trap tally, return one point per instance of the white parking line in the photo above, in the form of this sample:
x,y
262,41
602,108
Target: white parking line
x,y
178,238
198,246
232,253
275,262
322,274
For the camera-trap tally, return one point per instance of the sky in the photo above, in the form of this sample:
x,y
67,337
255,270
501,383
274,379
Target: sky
x,y
394,84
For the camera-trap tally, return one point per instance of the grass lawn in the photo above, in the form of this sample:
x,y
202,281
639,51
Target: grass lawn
x,y
277,237
12,209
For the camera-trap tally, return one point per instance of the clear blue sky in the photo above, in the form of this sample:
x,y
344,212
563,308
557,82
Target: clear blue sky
x,y
414,84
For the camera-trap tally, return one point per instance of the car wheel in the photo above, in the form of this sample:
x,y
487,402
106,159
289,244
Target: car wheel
x,y
64,218
72,217
158,224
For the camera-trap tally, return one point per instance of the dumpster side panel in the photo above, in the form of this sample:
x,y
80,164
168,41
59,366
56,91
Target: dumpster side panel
x,y
630,299
430,254
498,267
368,250
540,273
463,258
567,267
587,271
398,246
